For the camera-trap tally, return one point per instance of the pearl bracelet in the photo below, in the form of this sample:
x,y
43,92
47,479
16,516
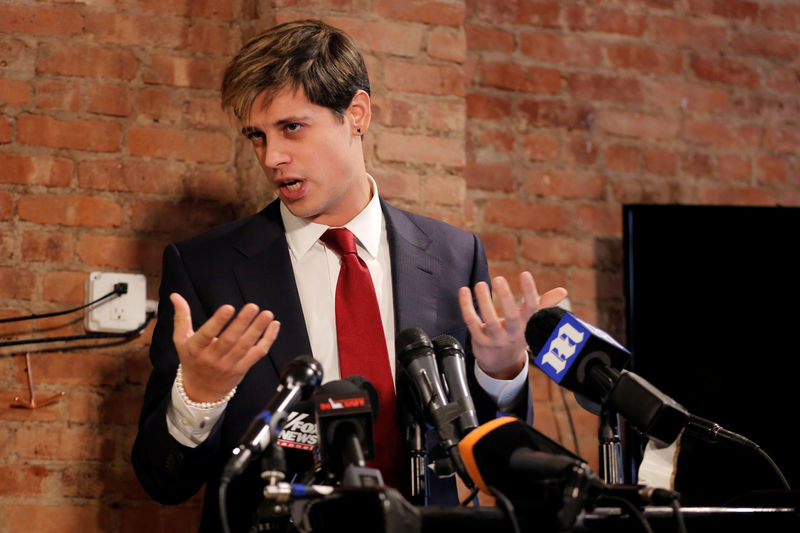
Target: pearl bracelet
x,y
199,405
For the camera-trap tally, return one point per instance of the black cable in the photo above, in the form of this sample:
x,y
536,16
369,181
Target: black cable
x,y
223,507
470,496
676,510
507,507
99,335
774,467
568,411
119,290
634,511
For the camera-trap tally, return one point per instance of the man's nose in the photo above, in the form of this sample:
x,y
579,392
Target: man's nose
x,y
276,154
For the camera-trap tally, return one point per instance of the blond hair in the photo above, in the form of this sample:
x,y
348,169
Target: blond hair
x,y
321,59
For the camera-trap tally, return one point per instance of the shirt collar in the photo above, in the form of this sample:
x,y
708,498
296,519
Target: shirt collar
x,y
367,226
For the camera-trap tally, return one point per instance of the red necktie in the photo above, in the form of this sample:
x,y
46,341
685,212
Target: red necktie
x,y
362,349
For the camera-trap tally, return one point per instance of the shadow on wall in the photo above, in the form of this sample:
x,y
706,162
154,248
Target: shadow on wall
x,y
609,292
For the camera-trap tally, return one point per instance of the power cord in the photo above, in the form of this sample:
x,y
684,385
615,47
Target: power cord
x,y
567,410
119,289
99,335
507,507
571,422
676,511
470,497
774,466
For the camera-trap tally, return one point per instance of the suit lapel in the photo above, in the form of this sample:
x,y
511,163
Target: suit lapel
x,y
415,272
267,279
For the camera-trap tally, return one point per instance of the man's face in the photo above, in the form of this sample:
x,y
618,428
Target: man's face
x,y
312,157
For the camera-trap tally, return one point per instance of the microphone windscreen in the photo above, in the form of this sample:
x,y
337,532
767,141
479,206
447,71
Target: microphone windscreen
x,y
339,386
408,341
303,369
486,452
541,326
299,438
447,342
364,384
473,452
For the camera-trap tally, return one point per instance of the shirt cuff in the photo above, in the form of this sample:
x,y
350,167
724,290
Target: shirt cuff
x,y
659,465
503,391
188,425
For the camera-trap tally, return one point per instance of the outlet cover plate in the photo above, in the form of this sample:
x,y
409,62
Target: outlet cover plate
x,y
115,314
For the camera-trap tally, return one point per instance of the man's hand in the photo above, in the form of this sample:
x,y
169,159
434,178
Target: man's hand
x,y
213,362
499,343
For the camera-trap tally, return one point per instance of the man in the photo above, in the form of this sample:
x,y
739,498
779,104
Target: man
x,y
301,91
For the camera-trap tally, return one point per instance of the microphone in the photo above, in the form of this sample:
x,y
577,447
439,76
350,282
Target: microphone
x,y
540,464
450,358
504,445
417,358
418,361
573,347
586,360
299,430
299,440
346,411
301,375
535,472
508,456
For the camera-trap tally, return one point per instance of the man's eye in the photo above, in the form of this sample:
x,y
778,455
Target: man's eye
x,y
293,127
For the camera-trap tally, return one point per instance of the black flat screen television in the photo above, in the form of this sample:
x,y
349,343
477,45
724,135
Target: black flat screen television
x,y
713,320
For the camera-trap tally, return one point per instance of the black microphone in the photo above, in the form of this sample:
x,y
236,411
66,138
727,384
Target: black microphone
x,y
587,360
417,358
299,440
299,430
450,358
540,465
508,456
299,437
506,445
418,362
345,412
301,375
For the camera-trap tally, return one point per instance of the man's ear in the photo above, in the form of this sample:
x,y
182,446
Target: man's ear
x,y
360,112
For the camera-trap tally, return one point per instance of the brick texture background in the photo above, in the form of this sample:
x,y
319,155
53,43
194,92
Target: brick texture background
x,y
530,122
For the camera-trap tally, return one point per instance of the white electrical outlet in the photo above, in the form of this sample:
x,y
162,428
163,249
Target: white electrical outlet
x,y
118,313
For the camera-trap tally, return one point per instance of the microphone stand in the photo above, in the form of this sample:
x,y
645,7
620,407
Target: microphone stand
x,y
415,440
274,512
610,447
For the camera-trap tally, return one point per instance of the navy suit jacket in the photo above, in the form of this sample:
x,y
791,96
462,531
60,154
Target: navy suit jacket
x,y
248,261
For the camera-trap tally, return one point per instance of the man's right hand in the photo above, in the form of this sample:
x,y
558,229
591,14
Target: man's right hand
x,y
213,362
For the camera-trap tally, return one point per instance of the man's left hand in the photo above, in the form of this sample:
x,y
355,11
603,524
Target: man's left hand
x,y
499,343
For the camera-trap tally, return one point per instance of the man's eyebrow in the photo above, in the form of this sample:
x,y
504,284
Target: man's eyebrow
x,y
247,130
291,120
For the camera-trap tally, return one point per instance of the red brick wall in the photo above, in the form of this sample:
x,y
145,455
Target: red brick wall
x,y
575,108
529,122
